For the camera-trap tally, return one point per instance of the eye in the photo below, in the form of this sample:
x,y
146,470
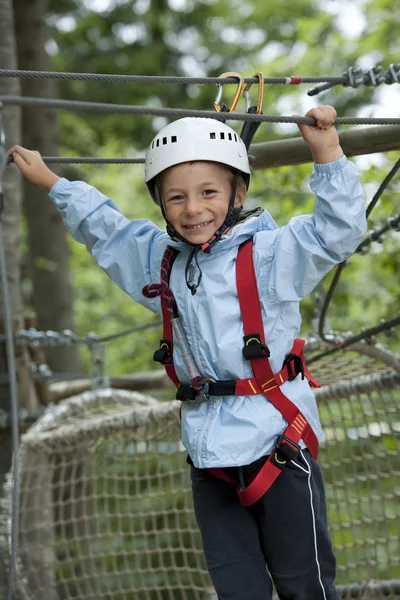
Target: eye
x,y
177,198
209,192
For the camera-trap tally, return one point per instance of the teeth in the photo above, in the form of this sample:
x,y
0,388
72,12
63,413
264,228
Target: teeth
x,y
197,226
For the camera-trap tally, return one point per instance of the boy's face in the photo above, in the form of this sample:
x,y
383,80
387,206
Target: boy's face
x,y
196,198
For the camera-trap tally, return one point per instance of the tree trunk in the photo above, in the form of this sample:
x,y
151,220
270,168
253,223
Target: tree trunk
x,y
47,238
10,222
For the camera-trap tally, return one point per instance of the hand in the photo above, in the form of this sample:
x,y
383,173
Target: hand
x,y
322,138
32,167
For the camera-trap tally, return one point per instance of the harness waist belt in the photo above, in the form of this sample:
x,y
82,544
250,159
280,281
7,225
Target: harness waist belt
x,y
293,366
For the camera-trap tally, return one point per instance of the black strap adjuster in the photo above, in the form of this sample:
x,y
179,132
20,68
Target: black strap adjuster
x,y
294,365
222,387
163,354
286,448
253,348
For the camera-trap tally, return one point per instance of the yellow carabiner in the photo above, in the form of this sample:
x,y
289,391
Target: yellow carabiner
x,y
260,96
223,108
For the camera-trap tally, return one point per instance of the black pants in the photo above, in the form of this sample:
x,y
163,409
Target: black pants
x,y
285,531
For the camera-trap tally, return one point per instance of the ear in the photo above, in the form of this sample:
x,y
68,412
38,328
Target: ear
x,y
240,194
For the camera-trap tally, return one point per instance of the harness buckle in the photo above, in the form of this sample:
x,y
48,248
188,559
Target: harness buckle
x,y
253,348
186,392
163,354
294,365
284,452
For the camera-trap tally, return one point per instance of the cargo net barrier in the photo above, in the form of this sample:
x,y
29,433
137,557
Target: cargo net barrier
x,y
106,509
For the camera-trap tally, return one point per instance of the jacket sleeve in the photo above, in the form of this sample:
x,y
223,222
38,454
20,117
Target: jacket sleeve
x,y
310,245
130,252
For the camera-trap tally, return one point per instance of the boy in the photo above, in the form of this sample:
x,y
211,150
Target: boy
x,y
197,171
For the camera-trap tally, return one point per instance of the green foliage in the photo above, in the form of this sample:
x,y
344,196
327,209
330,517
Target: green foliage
x,y
206,38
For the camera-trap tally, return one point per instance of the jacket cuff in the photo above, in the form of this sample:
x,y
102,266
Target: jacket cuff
x,y
329,168
59,186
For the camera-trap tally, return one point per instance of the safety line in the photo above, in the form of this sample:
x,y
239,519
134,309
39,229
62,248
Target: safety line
x,y
340,267
82,160
293,80
365,334
377,235
180,112
33,337
353,77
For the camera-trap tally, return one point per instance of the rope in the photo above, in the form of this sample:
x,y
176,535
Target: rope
x,y
364,335
353,77
377,235
180,112
91,160
7,313
341,266
33,337
293,80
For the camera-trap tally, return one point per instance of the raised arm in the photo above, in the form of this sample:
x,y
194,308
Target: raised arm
x,y
310,245
129,251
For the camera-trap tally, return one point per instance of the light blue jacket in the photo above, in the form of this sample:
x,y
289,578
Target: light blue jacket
x,y
289,262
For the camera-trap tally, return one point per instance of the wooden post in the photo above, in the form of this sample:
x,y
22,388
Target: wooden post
x,y
38,356
294,151
37,547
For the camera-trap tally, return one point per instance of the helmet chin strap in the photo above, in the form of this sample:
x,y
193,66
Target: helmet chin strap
x,y
231,219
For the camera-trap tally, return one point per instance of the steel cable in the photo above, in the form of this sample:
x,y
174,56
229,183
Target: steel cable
x,y
340,267
168,79
181,112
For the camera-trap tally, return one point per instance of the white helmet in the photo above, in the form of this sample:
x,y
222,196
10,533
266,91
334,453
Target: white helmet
x,y
194,138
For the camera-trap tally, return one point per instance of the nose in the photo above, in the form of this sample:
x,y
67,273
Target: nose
x,y
194,205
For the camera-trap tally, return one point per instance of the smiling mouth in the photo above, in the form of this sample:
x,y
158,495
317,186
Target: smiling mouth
x,y
194,227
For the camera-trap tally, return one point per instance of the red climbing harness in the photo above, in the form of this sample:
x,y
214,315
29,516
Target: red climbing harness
x,y
264,381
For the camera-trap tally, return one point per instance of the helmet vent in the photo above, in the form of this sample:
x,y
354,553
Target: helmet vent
x,y
164,141
174,139
158,142
212,135
222,135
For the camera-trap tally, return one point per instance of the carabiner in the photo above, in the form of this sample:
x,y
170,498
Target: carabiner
x,y
260,96
222,107
250,127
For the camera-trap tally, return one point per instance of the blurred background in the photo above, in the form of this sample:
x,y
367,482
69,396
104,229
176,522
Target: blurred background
x,y
54,283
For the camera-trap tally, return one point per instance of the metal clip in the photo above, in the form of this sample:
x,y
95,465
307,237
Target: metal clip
x,y
393,74
375,75
98,351
203,394
217,102
354,76
260,96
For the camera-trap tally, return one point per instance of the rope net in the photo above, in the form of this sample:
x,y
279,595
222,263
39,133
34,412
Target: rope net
x,y
106,509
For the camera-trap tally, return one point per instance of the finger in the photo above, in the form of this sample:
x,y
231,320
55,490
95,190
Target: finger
x,y
18,160
23,152
318,115
12,150
327,116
